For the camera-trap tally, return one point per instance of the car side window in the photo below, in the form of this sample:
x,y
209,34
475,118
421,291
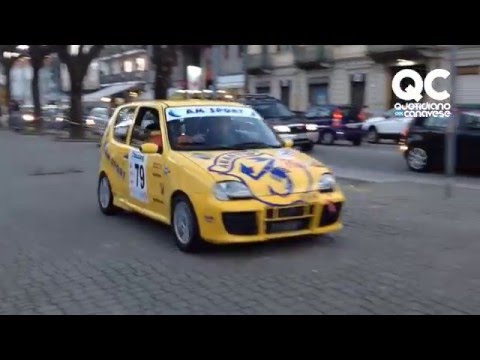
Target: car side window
x,y
147,128
122,124
470,121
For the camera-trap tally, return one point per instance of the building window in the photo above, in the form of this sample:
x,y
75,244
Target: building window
x,y
226,51
128,66
140,64
241,50
104,68
116,67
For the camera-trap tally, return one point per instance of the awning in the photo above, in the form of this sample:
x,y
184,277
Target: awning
x,y
231,82
109,91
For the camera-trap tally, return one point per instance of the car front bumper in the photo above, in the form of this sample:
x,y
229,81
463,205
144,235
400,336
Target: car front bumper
x,y
250,221
301,139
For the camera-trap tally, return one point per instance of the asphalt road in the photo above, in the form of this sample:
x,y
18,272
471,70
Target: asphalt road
x,y
382,163
59,255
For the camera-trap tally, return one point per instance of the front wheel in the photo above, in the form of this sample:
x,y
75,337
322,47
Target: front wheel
x,y
307,148
185,226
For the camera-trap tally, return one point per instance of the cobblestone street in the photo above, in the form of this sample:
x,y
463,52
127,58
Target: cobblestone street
x,y
405,249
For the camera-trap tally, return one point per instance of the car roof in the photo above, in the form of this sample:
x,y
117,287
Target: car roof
x,y
184,103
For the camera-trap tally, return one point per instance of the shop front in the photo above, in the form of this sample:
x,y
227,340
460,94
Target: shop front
x,y
232,84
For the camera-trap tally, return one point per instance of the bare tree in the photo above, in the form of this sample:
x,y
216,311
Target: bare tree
x,y
38,53
77,58
164,58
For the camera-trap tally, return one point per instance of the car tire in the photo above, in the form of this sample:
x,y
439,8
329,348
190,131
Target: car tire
x,y
184,220
357,142
105,197
418,160
307,148
327,138
372,135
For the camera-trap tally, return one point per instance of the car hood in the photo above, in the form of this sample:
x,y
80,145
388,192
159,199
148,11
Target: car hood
x,y
266,172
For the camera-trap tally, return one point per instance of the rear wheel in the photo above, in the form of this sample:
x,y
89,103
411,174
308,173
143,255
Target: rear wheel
x,y
105,197
185,225
357,142
327,138
372,136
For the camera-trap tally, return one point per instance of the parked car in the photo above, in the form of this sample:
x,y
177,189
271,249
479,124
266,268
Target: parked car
x,y
423,143
388,127
285,122
97,120
337,122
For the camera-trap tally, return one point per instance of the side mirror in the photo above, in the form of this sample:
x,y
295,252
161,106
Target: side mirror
x,y
288,143
149,148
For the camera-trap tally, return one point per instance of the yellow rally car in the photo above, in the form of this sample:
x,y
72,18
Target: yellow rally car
x,y
215,172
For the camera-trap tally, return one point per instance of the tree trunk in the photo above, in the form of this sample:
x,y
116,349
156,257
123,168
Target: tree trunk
x,y
76,111
162,82
37,106
8,87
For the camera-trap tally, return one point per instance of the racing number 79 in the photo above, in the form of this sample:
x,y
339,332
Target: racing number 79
x,y
140,175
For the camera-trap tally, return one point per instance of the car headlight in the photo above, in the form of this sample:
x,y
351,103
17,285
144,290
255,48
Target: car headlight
x,y
59,119
231,190
312,127
327,183
282,129
90,122
28,117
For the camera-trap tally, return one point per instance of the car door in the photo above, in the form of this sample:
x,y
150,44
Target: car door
x,y
116,151
147,171
468,140
391,124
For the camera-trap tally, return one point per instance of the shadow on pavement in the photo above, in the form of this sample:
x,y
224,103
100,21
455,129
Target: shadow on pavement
x,y
161,235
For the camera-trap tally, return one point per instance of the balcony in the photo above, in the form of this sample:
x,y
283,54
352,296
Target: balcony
x,y
258,64
309,57
123,77
386,53
112,50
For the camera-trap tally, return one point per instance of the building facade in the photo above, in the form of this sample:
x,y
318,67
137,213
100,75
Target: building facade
x,y
306,75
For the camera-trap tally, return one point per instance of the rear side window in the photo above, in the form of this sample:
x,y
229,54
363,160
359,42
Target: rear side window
x,y
470,121
123,122
436,122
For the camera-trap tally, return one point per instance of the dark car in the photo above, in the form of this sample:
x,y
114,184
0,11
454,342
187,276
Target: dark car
x,y
423,144
286,123
337,122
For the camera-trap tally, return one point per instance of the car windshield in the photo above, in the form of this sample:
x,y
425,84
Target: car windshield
x,y
190,130
273,110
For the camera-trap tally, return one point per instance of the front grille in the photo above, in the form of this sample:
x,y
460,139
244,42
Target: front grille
x,y
330,218
298,129
277,227
291,212
241,223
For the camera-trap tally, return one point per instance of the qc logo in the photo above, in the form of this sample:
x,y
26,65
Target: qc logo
x,y
415,92
273,180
